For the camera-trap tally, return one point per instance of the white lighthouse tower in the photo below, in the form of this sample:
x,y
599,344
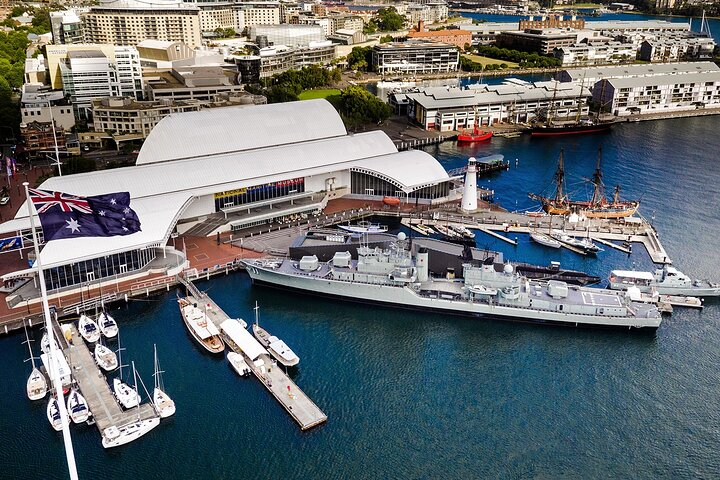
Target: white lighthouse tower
x,y
469,198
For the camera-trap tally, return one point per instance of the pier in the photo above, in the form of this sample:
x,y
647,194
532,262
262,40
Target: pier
x,y
300,407
94,387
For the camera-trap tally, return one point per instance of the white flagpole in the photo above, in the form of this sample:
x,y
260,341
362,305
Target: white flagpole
x,y
57,383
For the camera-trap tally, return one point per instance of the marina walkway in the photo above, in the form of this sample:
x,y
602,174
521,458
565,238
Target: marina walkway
x,y
302,409
94,387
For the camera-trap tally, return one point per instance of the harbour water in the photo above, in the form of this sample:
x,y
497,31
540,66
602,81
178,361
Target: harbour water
x,y
415,395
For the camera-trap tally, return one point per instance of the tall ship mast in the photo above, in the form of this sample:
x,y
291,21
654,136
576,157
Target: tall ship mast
x,y
597,207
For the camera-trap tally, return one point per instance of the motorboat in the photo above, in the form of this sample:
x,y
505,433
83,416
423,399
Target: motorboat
x,y
164,405
36,386
584,244
545,240
274,345
77,407
105,358
421,229
665,281
461,230
115,436
364,227
201,327
88,329
238,363
482,290
108,325
53,414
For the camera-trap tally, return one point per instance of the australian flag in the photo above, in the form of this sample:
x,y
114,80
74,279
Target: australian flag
x,y
69,216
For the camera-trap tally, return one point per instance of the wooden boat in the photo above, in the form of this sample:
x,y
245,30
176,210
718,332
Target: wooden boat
x,y
597,207
200,327
476,135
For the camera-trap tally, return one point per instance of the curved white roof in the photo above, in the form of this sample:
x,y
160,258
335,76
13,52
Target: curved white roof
x,y
233,129
409,170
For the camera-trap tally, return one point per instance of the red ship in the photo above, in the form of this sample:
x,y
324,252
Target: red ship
x,y
475,136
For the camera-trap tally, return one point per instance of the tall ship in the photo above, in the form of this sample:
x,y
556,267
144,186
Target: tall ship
x,y
597,207
552,127
394,277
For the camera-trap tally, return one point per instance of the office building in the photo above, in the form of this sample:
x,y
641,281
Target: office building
x,y
415,57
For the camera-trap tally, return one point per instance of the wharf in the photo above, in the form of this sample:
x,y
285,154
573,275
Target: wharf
x,y
300,407
94,387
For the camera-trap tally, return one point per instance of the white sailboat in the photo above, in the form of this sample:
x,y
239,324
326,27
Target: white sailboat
x,y
127,396
105,358
164,405
53,414
544,239
36,383
45,344
88,329
108,325
77,407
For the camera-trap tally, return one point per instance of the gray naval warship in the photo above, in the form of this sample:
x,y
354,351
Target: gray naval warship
x,y
394,277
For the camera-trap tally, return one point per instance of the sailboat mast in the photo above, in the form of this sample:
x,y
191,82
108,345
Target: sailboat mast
x,y
257,314
27,340
560,178
598,193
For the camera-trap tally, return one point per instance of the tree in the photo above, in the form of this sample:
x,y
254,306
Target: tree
x,y
359,107
360,58
225,32
386,39
389,20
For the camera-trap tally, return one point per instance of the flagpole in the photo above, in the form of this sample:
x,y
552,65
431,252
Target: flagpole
x,y
57,383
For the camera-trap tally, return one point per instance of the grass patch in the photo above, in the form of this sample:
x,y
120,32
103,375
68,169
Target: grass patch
x,y
321,93
489,61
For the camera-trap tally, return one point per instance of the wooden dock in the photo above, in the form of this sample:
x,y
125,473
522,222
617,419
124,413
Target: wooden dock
x,y
300,407
94,387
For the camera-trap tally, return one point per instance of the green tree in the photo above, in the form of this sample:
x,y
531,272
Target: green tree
x,y
360,58
225,32
386,39
358,107
389,20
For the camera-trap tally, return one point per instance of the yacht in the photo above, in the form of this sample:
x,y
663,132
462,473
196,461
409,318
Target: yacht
x,y
108,325
105,358
88,329
164,405
397,277
36,386
77,407
45,343
238,363
53,414
462,231
665,281
545,240
584,244
115,436
274,345
364,227
126,395
201,327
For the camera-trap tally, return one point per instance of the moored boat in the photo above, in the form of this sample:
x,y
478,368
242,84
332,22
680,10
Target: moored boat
x,y
474,135
545,240
274,345
53,414
36,386
115,436
554,129
45,343
105,358
201,327
597,207
77,407
164,405
88,329
108,325
364,227
126,395
584,244
665,281
238,363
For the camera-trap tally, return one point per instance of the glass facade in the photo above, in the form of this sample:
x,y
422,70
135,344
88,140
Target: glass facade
x,y
258,193
368,184
97,268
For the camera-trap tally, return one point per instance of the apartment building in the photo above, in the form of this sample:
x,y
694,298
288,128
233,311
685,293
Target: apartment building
x,y
290,35
132,25
593,53
256,13
278,59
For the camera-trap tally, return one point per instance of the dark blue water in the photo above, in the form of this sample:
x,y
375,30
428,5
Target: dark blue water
x,y
412,395
714,24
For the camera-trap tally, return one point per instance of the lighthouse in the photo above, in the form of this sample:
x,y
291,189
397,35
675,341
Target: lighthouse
x,y
469,198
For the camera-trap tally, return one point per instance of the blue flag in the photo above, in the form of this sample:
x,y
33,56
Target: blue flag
x,y
69,216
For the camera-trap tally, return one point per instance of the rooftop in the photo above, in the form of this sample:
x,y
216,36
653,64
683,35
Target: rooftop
x,y
643,70
686,78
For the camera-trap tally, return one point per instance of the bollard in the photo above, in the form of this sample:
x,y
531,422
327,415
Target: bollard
x,y
147,292
126,298
167,287
6,329
77,310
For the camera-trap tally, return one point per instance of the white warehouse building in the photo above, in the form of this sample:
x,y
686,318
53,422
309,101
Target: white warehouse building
x,y
216,170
